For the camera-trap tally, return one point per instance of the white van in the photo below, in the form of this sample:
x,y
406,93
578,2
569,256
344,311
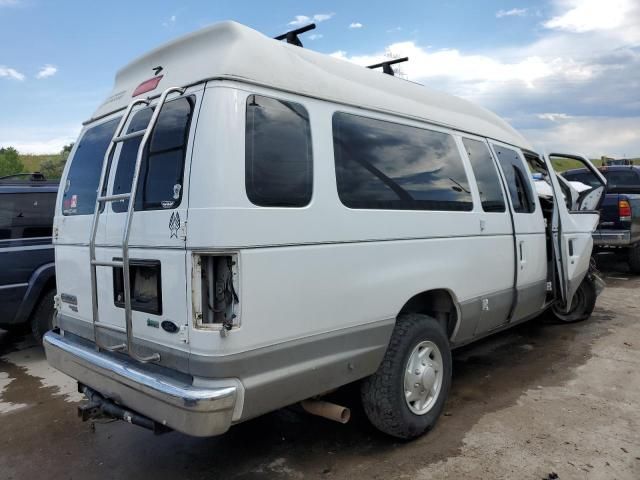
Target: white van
x,y
297,223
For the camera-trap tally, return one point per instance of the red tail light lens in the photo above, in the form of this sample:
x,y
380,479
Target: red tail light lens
x,y
147,86
624,210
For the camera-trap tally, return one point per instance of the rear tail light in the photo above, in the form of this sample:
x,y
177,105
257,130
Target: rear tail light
x,y
147,86
624,211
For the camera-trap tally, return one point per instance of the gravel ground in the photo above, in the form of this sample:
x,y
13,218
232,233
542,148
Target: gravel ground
x,y
533,402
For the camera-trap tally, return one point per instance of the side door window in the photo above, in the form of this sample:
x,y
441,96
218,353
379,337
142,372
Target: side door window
x,y
517,180
487,179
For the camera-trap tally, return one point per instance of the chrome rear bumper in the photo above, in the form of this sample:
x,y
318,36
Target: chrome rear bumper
x,y
612,237
199,411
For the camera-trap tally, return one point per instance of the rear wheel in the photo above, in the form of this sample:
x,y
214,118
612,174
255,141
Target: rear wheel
x,y
634,258
582,304
42,316
406,396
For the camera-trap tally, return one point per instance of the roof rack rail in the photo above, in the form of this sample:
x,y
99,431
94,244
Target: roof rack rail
x,y
33,177
292,36
386,66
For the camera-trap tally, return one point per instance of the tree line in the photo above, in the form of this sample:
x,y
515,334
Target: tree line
x,y
51,166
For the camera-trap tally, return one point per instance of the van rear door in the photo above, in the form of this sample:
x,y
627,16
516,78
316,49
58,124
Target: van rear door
x,y
157,239
575,217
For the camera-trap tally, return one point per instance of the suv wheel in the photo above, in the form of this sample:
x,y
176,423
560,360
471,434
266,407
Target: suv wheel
x,y
405,397
42,316
582,304
634,258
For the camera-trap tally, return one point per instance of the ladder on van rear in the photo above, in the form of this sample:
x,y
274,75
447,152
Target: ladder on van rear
x,y
101,200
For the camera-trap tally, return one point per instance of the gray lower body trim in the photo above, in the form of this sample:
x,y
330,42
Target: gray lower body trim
x,y
478,320
278,375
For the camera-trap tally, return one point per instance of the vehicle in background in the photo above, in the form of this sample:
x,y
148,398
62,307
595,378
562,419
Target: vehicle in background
x,y
619,227
27,275
245,224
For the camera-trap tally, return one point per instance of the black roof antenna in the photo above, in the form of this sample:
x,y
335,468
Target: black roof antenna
x,y
292,36
386,66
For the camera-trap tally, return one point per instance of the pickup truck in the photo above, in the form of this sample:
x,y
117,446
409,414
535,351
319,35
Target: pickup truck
x,y
619,226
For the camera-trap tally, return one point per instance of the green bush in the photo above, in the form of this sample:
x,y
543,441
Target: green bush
x,y
10,163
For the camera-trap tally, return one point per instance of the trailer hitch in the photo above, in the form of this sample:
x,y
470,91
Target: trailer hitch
x,y
99,407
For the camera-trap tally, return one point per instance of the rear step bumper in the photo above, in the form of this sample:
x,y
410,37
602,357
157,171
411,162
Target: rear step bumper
x,y
198,411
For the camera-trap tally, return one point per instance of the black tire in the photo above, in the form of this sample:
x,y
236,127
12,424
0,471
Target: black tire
x,y
42,316
383,393
582,304
634,258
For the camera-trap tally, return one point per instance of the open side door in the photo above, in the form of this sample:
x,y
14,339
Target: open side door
x,y
575,217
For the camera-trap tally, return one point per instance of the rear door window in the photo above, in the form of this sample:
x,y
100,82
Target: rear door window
x,y
162,168
517,179
26,215
79,196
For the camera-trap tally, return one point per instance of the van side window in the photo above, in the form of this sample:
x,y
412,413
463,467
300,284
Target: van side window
x,y
162,168
79,196
26,215
278,158
486,175
517,180
384,165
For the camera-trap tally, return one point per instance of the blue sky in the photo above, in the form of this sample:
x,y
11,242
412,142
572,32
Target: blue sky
x,y
564,72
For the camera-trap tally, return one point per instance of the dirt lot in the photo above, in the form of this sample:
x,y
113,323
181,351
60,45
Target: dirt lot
x,y
537,400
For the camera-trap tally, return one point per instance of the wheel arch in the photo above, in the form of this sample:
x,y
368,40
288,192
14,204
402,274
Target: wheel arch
x,y
41,281
439,303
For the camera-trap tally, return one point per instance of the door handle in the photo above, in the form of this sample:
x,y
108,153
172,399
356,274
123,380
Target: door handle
x,y
523,260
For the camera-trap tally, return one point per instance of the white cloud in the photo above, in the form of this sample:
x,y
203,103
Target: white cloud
x,y
474,72
300,20
553,117
47,71
8,3
7,72
593,136
38,139
315,36
514,12
321,17
589,15
355,25
170,22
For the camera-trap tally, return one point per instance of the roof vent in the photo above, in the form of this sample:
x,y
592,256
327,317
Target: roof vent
x,y
292,36
386,66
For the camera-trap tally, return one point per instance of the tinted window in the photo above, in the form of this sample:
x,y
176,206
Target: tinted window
x,y
26,215
486,175
517,180
84,174
390,166
162,168
622,178
278,159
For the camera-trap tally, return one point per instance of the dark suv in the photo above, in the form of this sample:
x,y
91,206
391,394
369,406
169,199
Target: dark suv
x,y
27,275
